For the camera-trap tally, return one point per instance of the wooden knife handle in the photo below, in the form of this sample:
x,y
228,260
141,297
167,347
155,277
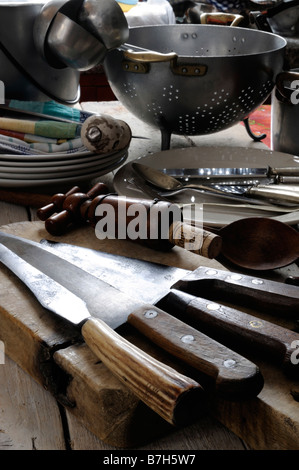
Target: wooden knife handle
x,y
237,328
234,375
175,397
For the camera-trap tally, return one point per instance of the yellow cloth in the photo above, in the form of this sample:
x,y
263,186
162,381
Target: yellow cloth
x,y
126,6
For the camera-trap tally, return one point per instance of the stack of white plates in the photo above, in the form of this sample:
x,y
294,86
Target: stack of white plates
x,y
17,171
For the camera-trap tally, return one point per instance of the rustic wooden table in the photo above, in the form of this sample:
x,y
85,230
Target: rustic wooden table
x,y
30,418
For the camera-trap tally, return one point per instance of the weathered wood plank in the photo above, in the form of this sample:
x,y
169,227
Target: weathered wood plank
x,y
29,416
273,404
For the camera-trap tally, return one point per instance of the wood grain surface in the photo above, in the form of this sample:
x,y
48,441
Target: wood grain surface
x,y
269,421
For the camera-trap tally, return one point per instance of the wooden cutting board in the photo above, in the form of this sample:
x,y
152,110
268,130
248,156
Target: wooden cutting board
x,y
54,355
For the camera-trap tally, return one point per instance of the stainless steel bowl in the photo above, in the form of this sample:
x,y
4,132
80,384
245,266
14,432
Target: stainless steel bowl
x,y
23,70
72,45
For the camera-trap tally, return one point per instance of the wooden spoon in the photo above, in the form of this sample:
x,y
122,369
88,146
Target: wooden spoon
x,y
259,243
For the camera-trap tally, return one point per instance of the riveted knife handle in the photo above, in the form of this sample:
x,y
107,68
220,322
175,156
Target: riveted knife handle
x,y
238,328
175,397
233,375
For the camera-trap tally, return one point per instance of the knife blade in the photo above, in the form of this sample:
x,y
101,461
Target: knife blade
x,y
222,173
162,388
281,194
231,373
142,179
155,280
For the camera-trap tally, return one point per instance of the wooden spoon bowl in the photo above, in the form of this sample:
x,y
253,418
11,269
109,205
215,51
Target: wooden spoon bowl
x,y
259,243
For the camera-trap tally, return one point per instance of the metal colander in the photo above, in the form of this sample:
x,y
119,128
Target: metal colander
x,y
217,77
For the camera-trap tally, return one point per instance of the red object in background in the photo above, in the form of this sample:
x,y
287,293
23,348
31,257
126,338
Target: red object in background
x,y
94,87
260,123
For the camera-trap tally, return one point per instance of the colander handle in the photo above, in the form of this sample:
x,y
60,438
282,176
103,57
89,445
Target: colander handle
x,y
221,18
150,56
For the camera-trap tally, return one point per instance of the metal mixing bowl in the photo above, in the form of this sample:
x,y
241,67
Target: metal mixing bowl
x,y
219,76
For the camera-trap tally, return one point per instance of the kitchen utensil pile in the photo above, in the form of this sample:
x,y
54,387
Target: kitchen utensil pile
x,y
60,275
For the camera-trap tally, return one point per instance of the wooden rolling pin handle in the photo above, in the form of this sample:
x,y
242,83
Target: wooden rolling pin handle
x,y
195,239
72,211
59,223
56,204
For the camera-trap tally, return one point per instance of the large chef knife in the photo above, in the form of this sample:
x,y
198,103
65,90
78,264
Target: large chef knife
x,y
169,393
231,373
154,280
152,283
229,173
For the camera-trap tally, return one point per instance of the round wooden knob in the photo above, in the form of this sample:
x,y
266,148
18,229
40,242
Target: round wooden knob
x,y
73,208
103,134
56,204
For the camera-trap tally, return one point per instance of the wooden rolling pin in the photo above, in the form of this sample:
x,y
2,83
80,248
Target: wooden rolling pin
x,y
159,226
24,198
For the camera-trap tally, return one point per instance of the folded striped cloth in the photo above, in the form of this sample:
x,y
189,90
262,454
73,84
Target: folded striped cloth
x,y
50,108
42,135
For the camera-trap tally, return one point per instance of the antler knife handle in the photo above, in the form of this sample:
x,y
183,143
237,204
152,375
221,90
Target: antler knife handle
x,y
236,328
175,397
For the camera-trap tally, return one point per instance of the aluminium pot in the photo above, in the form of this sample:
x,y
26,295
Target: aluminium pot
x,y
45,44
23,71
218,76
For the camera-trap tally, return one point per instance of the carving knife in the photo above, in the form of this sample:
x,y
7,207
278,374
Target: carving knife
x,y
169,393
229,173
157,284
153,281
230,373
